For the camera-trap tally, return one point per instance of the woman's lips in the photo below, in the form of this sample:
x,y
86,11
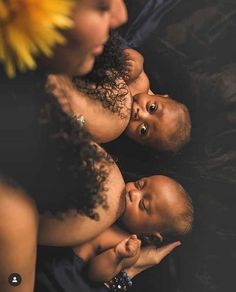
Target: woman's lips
x,y
98,50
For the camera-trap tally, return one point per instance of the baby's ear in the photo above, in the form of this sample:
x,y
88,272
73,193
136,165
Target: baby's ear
x,y
164,95
150,92
154,238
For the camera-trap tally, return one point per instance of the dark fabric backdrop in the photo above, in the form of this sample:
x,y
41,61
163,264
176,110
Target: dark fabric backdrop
x,y
190,52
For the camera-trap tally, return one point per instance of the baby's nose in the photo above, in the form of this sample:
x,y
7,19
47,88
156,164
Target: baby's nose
x,y
136,112
134,195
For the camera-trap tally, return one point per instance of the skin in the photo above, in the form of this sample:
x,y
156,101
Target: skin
x,y
19,254
128,247
55,232
149,257
92,21
102,252
19,220
109,263
148,203
153,119
135,64
140,85
75,103
85,41
103,124
138,81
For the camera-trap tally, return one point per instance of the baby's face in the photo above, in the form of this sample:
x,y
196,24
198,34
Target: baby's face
x,y
148,202
154,119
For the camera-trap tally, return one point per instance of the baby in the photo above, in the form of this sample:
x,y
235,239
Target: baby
x,y
156,206
153,120
156,120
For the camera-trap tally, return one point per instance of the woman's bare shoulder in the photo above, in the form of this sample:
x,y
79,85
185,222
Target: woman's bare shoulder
x,y
14,202
18,237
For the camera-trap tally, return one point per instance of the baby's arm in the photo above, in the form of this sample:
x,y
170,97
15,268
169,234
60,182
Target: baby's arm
x,y
135,64
137,81
109,263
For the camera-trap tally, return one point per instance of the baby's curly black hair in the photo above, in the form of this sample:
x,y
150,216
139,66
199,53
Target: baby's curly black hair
x,y
106,82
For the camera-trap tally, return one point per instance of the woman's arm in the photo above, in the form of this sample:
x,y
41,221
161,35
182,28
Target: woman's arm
x,y
18,238
100,122
149,257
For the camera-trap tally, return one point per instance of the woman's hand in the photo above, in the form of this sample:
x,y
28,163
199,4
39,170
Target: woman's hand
x,y
149,257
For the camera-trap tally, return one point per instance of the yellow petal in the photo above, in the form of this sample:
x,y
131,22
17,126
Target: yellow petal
x,y
3,11
10,68
30,27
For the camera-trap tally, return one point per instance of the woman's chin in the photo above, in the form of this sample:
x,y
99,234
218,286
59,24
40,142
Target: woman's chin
x,y
85,67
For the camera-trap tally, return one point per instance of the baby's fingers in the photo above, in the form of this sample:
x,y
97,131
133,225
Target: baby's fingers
x,y
133,236
133,245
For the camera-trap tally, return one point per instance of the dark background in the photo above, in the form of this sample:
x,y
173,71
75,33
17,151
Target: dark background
x,y
189,48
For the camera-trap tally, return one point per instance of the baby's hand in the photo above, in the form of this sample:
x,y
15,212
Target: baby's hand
x,y
128,247
134,61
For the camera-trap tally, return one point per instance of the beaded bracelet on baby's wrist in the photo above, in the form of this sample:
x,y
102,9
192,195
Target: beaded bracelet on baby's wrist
x,y
121,282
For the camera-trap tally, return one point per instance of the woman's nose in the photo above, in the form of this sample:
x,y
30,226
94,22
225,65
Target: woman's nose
x,y
119,13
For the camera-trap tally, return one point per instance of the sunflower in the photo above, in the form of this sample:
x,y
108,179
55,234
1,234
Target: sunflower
x,y
29,28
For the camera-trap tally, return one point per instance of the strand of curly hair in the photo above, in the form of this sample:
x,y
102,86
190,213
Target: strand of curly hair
x,y
107,80
75,169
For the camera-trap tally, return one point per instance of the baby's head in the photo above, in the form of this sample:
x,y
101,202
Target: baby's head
x,y
159,121
157,205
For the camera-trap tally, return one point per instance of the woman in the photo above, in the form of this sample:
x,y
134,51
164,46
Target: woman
x,y
102,96
26,159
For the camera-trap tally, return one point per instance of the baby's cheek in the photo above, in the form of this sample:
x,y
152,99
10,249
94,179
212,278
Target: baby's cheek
x,y
130,130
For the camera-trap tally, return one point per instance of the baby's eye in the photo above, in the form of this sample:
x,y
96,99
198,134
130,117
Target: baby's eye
x,y
142,205
152,107
143,130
